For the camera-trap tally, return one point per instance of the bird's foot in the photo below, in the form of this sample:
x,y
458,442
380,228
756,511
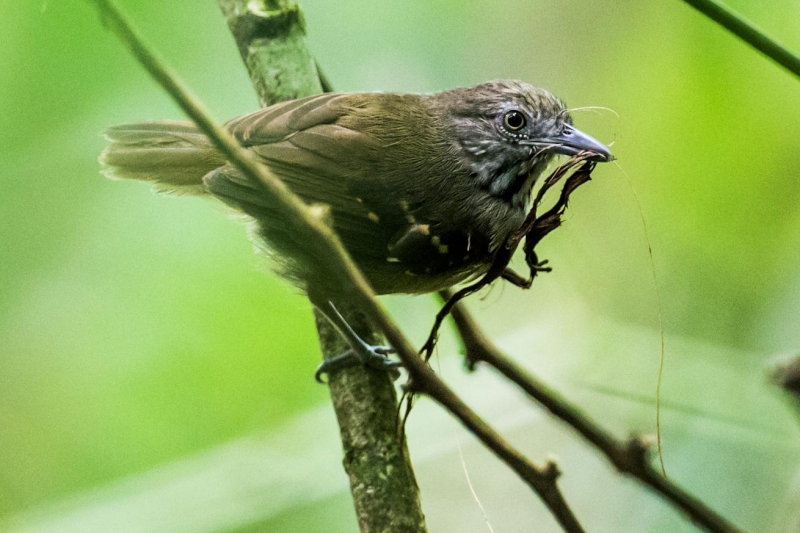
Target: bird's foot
x,y
369,356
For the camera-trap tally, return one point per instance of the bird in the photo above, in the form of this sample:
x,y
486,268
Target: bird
x,y
421,189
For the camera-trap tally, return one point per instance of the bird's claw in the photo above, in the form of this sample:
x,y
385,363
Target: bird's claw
x,y
372,357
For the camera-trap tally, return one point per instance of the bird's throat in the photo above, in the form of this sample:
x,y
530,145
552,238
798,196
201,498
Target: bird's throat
x,y
512,182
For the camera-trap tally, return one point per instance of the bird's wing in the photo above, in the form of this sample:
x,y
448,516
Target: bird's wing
x,y
327,149
320,160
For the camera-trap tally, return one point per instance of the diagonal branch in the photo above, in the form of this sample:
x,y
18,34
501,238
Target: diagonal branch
x,y
628,457
309,224
748,32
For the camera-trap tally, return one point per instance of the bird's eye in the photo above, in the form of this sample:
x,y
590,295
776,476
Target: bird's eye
x,y
514,120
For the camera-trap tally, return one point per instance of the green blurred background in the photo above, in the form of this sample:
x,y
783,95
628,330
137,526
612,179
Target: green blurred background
x,y
144,351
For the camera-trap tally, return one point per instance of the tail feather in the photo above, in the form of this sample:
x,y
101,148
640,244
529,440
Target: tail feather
x,y
174,156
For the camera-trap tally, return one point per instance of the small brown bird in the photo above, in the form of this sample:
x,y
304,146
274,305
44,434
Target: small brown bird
x,y
422,189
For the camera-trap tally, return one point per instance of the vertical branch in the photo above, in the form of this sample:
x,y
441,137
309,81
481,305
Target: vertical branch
x,y
271,36
376,459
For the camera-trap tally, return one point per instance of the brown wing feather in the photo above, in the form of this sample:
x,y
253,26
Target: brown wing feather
x,y
276,122
321,161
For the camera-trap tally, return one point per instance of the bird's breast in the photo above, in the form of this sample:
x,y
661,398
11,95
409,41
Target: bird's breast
x,y
415,248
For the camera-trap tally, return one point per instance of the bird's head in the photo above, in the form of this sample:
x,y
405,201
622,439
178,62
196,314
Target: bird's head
x,y
507,131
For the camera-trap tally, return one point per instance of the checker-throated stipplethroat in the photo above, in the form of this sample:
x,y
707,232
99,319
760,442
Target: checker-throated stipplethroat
x,y
422,189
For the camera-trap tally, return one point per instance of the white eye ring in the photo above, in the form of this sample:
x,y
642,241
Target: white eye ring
x,y
514,120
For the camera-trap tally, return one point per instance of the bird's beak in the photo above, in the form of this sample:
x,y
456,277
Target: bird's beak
x,y
573,141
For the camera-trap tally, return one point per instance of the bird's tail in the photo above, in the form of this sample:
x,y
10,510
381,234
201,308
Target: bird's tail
x,y
174,156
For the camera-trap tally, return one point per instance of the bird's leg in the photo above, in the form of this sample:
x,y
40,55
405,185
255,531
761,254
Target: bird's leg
x,y
359,353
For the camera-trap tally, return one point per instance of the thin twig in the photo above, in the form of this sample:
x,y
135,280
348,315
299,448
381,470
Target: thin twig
x,y
629,457
299,217
748,32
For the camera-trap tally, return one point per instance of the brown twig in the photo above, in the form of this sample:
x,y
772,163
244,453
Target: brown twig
x,y
533,230
341,268
629,457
